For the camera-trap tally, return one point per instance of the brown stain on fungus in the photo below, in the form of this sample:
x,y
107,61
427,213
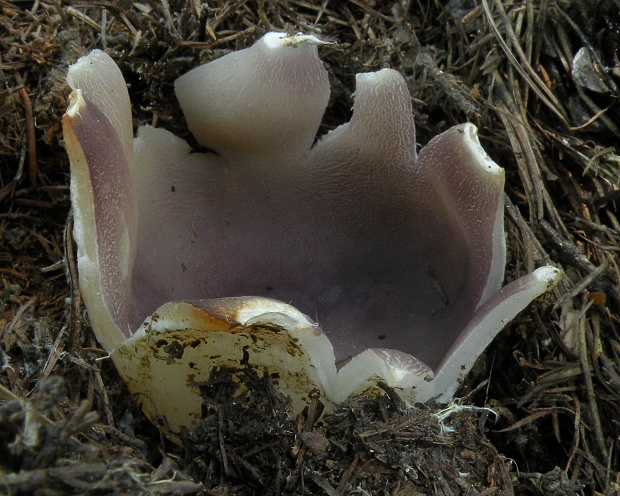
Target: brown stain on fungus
x,y
202,343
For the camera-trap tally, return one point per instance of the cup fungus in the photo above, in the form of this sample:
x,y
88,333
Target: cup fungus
x,y
189,261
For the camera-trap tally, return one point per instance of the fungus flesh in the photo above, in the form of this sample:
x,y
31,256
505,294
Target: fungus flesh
x,y
297,255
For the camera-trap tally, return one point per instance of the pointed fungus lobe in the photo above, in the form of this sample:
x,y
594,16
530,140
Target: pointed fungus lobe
x,y
352,250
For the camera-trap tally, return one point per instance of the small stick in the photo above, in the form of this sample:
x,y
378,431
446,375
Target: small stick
x,y
32,144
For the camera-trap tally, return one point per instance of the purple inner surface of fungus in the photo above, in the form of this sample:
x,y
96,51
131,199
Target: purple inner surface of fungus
x,y
382,248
